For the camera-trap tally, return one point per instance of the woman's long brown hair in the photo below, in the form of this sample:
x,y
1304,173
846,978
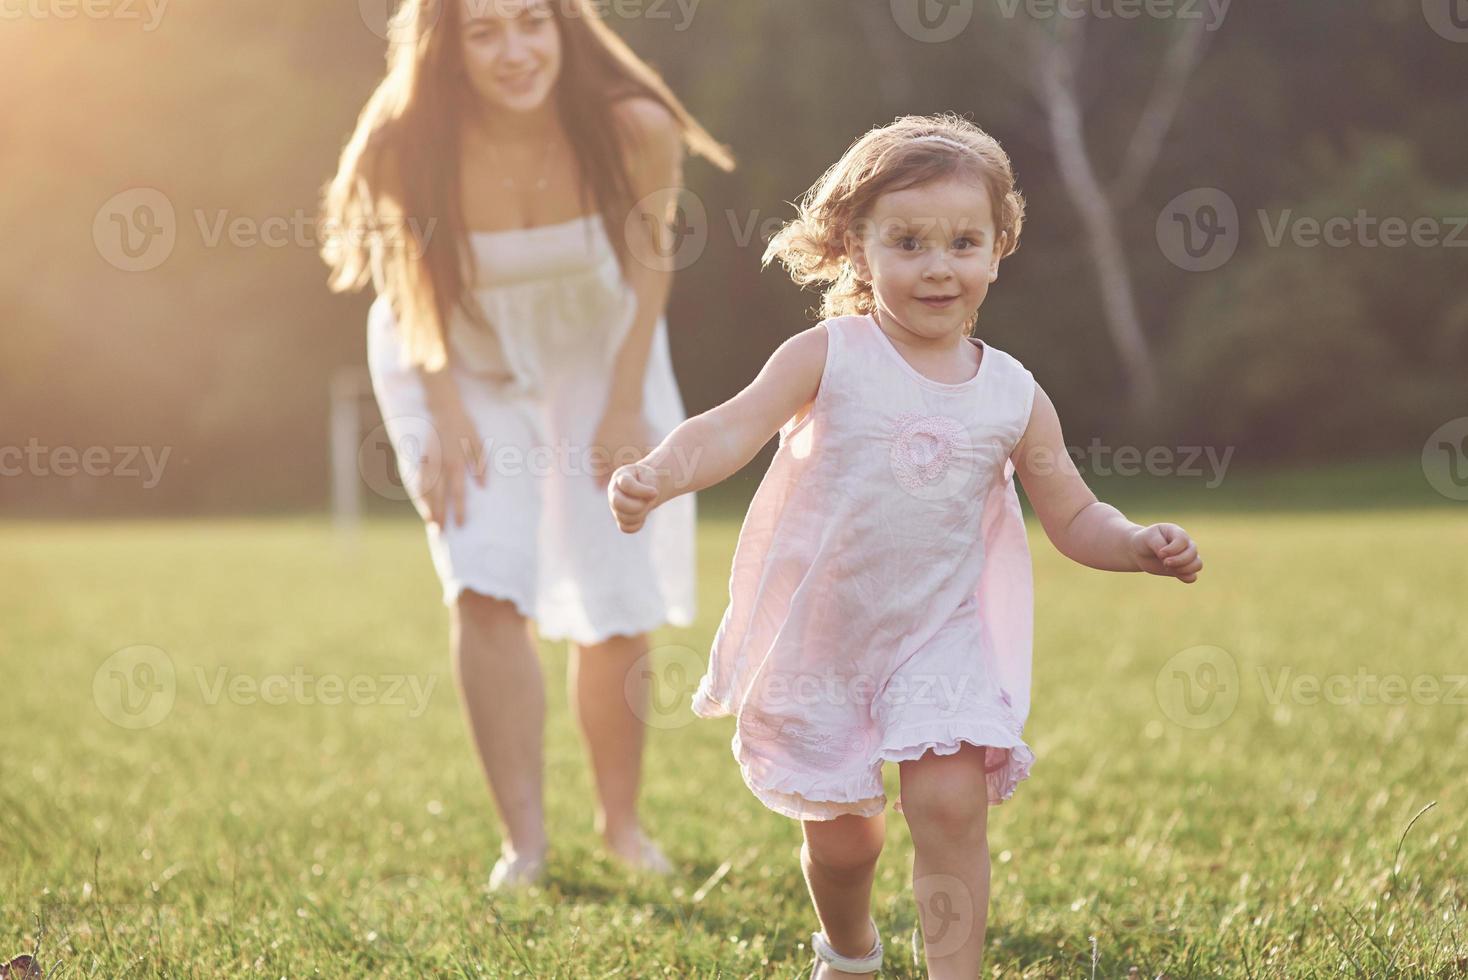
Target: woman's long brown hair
x,y
392,213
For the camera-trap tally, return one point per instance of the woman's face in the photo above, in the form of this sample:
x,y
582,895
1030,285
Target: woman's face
x,y
511,51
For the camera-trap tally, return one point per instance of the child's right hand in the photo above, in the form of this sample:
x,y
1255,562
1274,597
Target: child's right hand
x,y
632,493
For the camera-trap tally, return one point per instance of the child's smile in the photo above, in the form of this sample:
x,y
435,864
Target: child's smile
x,y
929,252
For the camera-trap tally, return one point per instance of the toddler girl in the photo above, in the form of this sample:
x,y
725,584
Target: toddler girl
x,y
880,604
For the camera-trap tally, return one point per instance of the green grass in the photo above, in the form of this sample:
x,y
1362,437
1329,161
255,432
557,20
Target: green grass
x,y
352,840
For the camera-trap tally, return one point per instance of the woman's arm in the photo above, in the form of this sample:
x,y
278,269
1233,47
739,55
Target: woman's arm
x,y
655,161
712,447
655,167
1081,527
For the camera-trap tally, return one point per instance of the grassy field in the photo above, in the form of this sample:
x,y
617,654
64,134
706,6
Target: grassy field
x,y
206,832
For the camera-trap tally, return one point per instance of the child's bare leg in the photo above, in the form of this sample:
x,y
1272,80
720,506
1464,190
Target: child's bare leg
x,y
945,800
839,858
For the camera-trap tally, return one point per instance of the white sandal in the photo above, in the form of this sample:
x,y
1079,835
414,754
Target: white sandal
x,y
650,858
870,963
521,871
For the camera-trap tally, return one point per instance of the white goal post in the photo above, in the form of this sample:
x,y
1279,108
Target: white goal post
x,y
353,416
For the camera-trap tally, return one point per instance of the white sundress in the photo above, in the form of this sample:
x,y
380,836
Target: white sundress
x,y
540,533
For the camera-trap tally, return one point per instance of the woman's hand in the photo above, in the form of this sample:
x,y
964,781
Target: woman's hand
x,y
1166,549
451,453
623,435
633,493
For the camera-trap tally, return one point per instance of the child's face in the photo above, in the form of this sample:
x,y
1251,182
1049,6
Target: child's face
x,y
935,240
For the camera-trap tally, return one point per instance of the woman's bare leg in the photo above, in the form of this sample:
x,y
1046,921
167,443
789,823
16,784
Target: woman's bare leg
x,y
839,858
946,803
503,692
608,692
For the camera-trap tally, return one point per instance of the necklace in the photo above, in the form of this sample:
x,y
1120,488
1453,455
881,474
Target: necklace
x,y
541,182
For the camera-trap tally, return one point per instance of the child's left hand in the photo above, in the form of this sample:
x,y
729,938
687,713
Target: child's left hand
x,y
1166,549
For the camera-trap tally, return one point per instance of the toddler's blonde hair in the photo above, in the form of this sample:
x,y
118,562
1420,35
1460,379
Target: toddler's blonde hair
x,y
908,152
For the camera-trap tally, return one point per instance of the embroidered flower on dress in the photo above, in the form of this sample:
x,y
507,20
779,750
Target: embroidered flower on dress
x,y
924,448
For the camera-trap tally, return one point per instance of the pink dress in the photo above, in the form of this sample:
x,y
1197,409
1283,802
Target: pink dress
x,y
881,599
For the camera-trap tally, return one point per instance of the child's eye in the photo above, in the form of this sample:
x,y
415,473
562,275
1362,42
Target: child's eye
x,y
902,242
970,241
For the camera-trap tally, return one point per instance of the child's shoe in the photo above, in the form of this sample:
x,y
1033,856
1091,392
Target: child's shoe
x,y
870,963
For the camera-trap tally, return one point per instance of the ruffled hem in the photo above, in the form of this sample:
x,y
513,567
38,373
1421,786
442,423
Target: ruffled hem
x,y
795,795
1007,759
799,796
679,616
495,590
550,628
705,706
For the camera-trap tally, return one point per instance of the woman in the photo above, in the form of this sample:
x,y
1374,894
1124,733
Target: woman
x,y
507,192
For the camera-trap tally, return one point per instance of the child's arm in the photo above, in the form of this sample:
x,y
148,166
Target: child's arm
x,y
1083,528
712,447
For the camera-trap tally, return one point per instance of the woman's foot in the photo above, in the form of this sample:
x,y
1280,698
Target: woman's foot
x,y
517,871
638,852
